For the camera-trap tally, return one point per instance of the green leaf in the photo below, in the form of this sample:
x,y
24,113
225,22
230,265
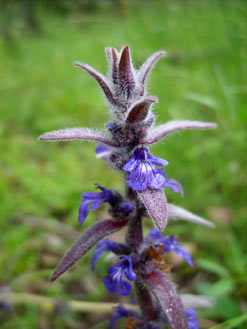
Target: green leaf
x,y
213,267
233,323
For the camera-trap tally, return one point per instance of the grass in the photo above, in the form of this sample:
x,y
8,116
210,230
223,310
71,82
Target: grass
x,y
202,78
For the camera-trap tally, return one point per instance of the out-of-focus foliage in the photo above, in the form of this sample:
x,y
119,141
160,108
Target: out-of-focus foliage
x,y
203,77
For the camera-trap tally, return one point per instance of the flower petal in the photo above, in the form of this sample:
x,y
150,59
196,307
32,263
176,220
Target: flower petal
x,y
157,161
83,211
130,165
192,319
119,312
174,186
123,288
155,134
137,179
159,180
107,245
109,284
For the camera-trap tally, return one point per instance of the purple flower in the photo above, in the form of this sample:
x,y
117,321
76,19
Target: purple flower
x,y
102,246
192,319
115,282
126,207
120,312
142,170
174,186
171,244
101,148
154,237
95,199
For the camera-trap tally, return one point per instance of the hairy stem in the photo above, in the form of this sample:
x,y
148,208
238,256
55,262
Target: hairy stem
x,y
135,234
145,300
134,240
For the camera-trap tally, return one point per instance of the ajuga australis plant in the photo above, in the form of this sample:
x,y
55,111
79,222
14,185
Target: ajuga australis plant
x,y
123,144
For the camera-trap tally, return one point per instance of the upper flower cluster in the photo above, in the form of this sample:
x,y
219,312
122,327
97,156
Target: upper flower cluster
x,y
124,87
131,127
132,121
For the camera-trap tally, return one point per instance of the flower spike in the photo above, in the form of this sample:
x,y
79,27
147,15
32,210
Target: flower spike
x,y
122,144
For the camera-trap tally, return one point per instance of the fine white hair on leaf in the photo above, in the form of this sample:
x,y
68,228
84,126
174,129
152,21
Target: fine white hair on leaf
x,y
159,132
196,301
77,134
156,205
147,67
176,213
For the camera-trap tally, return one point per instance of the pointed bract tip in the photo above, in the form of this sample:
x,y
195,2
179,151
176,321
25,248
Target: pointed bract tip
x,y
162,52
78,64
53,278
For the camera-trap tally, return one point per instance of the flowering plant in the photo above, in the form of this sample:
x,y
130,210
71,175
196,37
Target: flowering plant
x,y
123,145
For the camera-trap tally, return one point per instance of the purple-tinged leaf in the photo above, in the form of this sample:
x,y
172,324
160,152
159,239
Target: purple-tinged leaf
x,y
147,66
112,56
155,134
102,81
156,206
175,212
109,54
76,133
168,299
87,241
126,75
196,301
140,109
115,76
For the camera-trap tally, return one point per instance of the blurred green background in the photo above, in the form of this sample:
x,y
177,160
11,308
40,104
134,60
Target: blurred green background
x,y
203,77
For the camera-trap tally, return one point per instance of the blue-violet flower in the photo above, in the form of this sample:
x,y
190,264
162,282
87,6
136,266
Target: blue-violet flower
x,y
192,319
126,207
119,312
142,170
170,243
115,282
102,246
95,199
